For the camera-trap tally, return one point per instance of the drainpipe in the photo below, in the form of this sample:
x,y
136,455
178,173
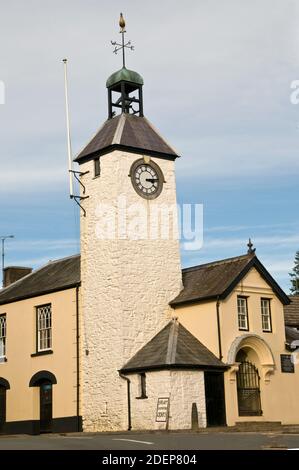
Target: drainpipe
x,y
218,328
129,399
78,358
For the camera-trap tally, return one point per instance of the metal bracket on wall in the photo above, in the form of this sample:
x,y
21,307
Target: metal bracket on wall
x,y
78,199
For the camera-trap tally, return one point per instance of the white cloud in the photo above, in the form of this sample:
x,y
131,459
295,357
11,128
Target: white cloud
x,y
217,84
278,241
51,244
217,77
238,228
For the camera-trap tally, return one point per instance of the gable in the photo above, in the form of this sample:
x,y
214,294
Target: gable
x,y
217,280
253,281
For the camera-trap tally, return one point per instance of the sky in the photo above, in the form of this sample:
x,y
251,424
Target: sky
x,y
218,81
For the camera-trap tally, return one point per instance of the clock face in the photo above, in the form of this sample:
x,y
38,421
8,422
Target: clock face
x,y
147,179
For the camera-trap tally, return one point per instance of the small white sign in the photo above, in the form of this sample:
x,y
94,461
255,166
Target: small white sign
x,y
162,410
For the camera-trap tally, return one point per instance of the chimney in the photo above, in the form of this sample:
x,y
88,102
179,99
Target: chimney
x,y
14,273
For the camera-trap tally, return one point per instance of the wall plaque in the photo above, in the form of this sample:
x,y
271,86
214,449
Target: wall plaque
x,y
286,363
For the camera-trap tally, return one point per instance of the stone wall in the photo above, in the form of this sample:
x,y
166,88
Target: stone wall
x,y
126,286
182,387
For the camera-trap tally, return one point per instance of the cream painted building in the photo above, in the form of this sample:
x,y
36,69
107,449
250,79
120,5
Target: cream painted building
x,y
120,337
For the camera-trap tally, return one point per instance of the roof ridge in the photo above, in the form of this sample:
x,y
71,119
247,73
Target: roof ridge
x,y
172,341
62,259
13,284
192,352
119,130
93,136
19,281
161,137
217,263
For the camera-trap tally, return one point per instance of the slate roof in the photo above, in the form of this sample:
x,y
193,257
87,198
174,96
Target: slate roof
x,y
54,276
172,348
218,279
204,282
291,335
130,132
291,311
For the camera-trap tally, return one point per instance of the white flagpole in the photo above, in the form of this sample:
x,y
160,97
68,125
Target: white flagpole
x,y
69,144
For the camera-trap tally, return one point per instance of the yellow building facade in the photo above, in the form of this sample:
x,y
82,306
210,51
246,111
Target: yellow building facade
x,y
215,323
39,375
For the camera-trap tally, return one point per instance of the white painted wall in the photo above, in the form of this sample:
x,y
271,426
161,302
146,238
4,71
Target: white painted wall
x,y
182,387
126,288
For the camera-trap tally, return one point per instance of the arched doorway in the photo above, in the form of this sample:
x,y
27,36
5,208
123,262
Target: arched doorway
x,y
4,385
46,406
248,387
45,381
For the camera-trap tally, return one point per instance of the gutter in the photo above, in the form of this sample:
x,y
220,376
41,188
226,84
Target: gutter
x,y
129,398
79,426
218,328
34,294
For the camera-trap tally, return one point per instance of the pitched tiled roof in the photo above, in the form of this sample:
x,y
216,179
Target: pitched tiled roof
x,y
127,131
173,347
291,311
54,276
204,282
292,335
218,279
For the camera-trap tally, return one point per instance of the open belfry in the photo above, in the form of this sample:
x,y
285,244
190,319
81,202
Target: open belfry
x,y
120,337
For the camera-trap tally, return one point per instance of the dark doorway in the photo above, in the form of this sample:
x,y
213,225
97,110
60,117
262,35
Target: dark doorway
x,y
248,387
2,407
215,400
46,413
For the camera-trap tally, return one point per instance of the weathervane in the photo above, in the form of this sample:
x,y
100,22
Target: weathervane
x,y
251,250
123,45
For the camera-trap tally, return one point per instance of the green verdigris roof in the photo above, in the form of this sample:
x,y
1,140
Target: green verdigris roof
x,y
124,75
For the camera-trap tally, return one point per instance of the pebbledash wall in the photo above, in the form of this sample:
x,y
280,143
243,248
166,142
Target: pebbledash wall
x,y
183,388
126,288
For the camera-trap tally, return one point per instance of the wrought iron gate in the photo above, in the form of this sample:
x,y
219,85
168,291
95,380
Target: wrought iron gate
x,y
248,387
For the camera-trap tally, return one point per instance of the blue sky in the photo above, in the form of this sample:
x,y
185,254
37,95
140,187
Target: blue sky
x,y
217,86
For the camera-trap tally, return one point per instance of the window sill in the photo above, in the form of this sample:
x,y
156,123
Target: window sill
x,y
42,353
243,329
3,359
141,398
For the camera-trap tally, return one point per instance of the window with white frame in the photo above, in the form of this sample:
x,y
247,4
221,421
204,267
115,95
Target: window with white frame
x,y
44,327
266,315
2,336
242,313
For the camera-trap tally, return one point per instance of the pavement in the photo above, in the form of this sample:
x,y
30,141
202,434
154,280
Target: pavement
x,y
129,441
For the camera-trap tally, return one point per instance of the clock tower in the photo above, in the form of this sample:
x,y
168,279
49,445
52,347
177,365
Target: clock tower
x,y
130,261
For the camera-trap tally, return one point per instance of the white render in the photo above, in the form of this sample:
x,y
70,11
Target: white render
x,y
183,387
126,287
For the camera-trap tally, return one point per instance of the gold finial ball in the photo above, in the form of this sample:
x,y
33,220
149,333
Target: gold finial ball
x,y
122,23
